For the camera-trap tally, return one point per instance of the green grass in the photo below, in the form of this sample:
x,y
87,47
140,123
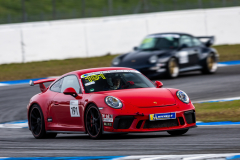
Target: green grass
x,y
228,52
50,68
39,10
218,111
59,67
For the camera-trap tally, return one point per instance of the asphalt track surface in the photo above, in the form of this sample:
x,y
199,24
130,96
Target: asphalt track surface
x,y
215,139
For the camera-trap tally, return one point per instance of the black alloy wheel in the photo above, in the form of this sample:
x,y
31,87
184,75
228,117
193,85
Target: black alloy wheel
x,y
93,122
178,132
37,124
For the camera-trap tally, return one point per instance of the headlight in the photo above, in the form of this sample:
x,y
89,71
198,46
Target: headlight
x,y
116,61
153,59
183,96
113,102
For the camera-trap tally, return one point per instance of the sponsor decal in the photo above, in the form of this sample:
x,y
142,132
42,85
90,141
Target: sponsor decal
x,y
107,124
97,75
92,89
162,116
107,117
74,110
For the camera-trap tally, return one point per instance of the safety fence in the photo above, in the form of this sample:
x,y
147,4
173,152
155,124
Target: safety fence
x,y
90,37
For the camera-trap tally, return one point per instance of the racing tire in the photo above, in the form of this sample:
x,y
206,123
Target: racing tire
x,y
36,122
178,132
210,65
172,68
93,122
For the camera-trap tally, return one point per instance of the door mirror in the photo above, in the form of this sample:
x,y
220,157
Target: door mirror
x,y
70,91
135,48
183,46
158,84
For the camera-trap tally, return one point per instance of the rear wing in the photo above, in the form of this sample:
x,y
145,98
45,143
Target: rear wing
x,y
40,82
209,40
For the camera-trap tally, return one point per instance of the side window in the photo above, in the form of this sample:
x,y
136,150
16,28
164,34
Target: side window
x,y
186,41
71,81
56,87
196,42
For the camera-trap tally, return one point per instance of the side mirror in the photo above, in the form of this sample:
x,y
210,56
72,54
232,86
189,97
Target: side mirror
x,y
183,46
70,91
135,48
158,84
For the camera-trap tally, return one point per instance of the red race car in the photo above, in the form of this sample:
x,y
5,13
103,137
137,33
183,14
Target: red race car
x,y
100,100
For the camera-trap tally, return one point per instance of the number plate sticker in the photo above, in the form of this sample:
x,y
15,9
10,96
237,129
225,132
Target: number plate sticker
x,y
162,116
74,110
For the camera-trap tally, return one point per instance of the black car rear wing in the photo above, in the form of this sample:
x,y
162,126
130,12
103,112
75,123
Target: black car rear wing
x,y
209,40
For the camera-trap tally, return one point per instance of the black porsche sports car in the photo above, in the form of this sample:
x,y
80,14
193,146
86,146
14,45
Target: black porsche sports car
x,y
169,54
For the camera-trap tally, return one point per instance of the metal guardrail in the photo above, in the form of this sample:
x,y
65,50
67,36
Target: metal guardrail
x,y
31,10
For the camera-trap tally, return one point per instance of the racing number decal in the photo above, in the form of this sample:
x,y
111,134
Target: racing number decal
x,y
74,110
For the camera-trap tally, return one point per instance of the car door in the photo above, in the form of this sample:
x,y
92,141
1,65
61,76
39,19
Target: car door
x,y
67,111
188,54
198,47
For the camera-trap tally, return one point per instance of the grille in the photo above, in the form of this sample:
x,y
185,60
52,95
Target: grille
x,y
161,123
181,120
123,122
190,117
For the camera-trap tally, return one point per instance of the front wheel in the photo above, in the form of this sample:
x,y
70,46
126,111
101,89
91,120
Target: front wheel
x,y
172,68
178,132
93,122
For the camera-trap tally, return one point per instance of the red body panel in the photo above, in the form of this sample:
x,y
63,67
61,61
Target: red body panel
x,y
138,102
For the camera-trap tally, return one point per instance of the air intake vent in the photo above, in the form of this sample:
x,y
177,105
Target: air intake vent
x,y
190,117
123,122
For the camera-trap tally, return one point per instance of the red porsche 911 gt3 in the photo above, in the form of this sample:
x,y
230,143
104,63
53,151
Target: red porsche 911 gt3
x,y
100,100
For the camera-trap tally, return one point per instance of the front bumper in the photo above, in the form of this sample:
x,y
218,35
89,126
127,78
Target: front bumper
x,y
141,123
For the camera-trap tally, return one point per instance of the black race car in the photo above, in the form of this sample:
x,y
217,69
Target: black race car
x,y
171,53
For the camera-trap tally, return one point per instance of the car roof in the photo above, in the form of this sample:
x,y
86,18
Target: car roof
x,y
157,34
84,71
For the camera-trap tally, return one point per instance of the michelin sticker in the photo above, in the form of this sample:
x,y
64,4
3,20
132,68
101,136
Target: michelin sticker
x,y
183,57
107,117
74,110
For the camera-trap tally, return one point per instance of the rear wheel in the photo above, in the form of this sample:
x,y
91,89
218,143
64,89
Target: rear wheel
x,y
210,65
178,132
172,68
93,122
37,123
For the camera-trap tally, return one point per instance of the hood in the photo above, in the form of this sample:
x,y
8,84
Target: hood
x,y
144,97
137,58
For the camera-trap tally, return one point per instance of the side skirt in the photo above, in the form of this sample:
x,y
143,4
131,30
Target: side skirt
x,y
66,132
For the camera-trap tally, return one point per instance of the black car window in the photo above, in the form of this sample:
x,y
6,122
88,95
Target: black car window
x,y
71,81
56,87
186,41
157,42
196,42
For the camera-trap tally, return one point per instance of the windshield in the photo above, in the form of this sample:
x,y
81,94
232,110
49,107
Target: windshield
x,y
114,80
165,41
